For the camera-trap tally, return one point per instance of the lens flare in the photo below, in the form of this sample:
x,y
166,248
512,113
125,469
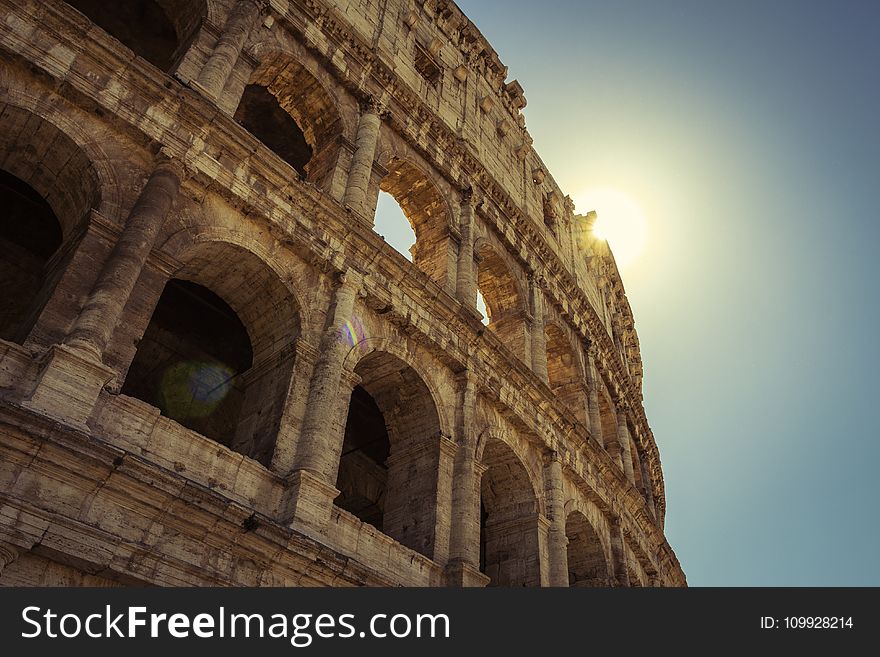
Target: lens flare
x,y
193,389
620,221
352,332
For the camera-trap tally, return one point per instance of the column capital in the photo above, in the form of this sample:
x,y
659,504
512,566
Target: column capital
x,y
371,105
166,161
551,456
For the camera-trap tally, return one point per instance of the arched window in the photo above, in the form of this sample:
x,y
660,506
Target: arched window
x,y
157,30
481,308
289,110
587,565
261,114
390,455
608,418
191,361
503,301
48,185
509,549
563,371
219,349
428,216
391,223
30,234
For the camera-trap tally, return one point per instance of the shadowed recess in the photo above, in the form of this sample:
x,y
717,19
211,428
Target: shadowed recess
x,y
390,456
29,235
158,31
190,359
262,115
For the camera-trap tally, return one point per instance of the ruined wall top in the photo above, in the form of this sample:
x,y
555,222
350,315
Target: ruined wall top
x,y
444,84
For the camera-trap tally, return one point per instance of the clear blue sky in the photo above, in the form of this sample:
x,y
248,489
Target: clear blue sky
x,y
749,134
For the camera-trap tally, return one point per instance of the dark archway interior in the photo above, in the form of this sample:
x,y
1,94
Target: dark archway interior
x,y
363,473
262,115
190,361
29,235
586,557
508,520
391,449
142,25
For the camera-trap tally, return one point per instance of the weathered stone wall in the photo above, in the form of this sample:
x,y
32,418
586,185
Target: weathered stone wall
x,y
135,449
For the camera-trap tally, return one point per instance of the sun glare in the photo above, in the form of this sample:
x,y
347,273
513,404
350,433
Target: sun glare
x,y
619,220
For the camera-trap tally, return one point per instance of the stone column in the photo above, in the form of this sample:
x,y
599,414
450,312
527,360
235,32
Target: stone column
x,y
593,395
214,74
362,162
558,553
618,552
443,502
463,565
294,408
8,554
539,340
317,456
623,439
103,308
466,282
72,374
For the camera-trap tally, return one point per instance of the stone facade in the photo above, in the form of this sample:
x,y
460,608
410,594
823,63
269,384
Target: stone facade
x,y
213,371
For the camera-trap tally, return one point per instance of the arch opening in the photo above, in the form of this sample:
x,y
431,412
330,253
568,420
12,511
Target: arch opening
x,y
262,115
289,110
48,186
427,214
218,352
392,224
503,301
563,371
30,234
390,456
607,417
157,30
509,548
637,575
587,565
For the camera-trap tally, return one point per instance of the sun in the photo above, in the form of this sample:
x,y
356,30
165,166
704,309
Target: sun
x,y
619,220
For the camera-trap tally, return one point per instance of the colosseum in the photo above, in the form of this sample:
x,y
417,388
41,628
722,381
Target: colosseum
x,y
214,371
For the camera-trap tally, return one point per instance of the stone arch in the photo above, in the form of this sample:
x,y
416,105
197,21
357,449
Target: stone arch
x,y
564,370
181,243
588,563
287,107
219,348
390,459
637,575
509,512
607,416
49,185
503,296
157,30
403,351
427,211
